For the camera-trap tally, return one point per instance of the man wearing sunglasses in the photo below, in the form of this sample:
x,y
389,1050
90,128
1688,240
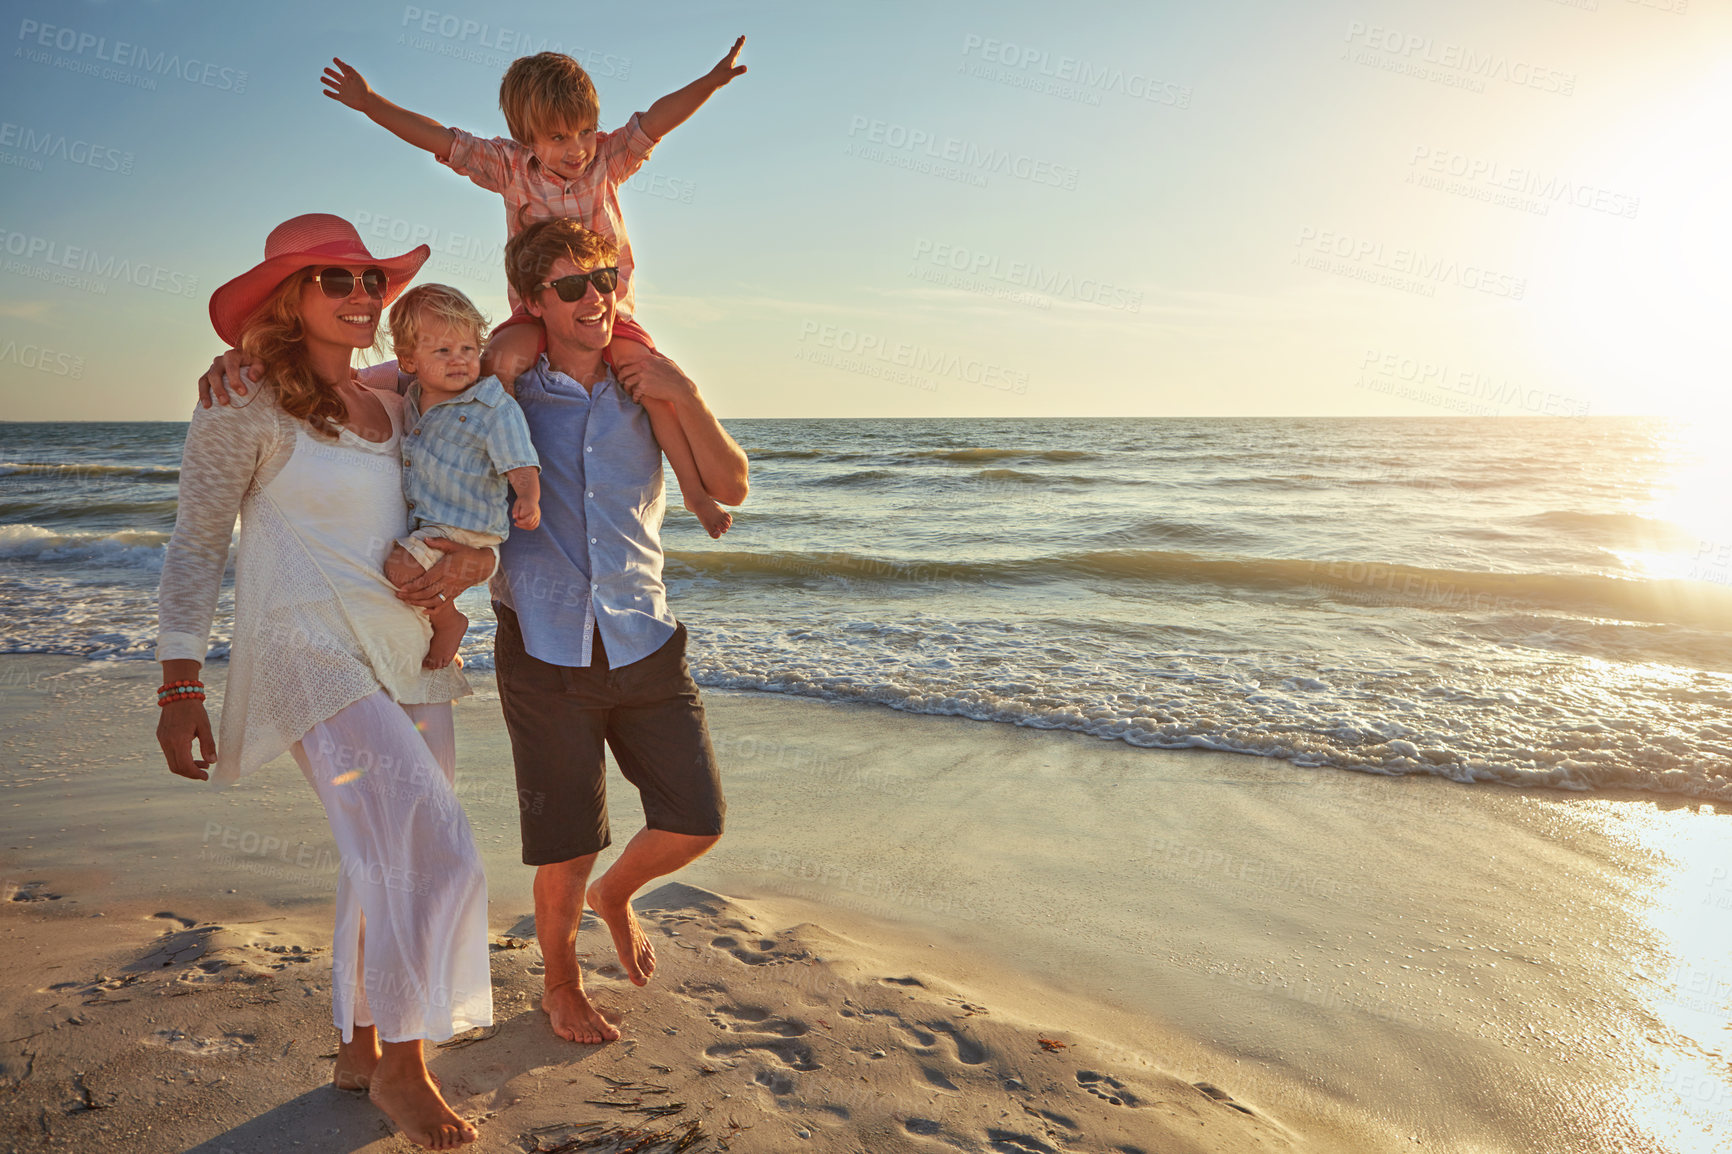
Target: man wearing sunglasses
x,y
587,651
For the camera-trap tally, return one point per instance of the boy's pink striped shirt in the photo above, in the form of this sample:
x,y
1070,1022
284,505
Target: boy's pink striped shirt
x,y
532,194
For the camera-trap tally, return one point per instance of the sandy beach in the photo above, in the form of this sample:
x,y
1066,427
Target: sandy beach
x,y
919,934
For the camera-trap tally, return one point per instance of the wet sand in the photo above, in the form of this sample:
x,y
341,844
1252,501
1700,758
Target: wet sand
x,y
1344,962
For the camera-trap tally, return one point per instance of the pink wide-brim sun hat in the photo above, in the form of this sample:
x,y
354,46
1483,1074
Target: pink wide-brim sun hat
x,y
316,239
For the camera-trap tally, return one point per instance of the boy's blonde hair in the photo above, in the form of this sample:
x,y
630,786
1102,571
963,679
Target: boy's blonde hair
x,y
428,304
545,93
532,252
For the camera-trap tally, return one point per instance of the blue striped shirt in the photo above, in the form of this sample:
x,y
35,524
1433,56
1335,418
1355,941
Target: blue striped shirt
x,y
596,560
456,455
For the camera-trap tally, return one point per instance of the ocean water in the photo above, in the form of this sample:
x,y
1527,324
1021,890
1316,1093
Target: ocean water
x,y
1539,602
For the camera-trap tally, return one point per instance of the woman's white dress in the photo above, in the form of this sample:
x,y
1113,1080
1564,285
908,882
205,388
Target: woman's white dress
x,y
317,626
326,662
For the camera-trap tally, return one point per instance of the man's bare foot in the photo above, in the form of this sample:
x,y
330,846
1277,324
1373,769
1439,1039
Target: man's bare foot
x,y
356,1061
716,520
629,941
414,1103
448,630
574,1017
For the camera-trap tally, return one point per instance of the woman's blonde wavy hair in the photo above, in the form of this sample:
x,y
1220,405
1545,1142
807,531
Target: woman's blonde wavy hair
x,y
273,338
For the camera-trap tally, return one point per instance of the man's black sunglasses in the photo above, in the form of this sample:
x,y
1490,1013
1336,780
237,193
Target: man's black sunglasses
x,y
572,288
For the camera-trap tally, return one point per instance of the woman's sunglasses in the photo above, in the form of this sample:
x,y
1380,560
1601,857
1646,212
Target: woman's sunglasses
x,y
571,288
340,282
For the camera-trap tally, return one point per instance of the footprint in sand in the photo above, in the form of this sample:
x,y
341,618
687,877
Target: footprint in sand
x,y
775,1082
203,952
1223,1097
937,1078
178,948
29,892
753,1020
922,1039
1010,1142
1064,1120
227,1046
1106,1088
795,1055
968,1051
765,952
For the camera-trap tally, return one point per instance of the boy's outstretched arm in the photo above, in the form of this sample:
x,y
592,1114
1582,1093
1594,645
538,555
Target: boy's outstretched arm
x,y
676,108
346,86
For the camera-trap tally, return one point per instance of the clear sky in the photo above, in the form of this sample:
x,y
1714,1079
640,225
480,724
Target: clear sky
x,y
914,209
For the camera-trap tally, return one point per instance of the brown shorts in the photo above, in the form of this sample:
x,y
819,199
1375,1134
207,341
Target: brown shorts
x,y
647,712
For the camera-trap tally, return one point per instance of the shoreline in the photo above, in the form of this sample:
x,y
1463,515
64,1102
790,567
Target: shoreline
x,y
1355,959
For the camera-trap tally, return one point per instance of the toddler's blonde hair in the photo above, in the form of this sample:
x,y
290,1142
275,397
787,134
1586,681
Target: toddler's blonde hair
x,y
428,304
546,93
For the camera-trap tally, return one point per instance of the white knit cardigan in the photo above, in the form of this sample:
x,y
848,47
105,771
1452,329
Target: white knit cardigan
x,y
274,693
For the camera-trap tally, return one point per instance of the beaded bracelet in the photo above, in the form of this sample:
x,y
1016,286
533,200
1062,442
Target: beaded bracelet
x,y
180,691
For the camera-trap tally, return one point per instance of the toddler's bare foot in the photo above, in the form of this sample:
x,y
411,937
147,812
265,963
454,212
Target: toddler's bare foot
x,y
414,1103
716,520
448,630
574,1018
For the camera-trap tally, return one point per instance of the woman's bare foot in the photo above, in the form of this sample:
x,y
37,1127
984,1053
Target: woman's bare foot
x,y
629,941
716,520
448,630
356,1060
574,1017
404,1089
358,1077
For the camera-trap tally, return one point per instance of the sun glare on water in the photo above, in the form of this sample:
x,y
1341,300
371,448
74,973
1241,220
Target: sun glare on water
x,y
1689,507
1688,987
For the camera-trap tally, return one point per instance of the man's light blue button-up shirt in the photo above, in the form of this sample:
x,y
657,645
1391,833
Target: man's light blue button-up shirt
x,y
456,455
596,560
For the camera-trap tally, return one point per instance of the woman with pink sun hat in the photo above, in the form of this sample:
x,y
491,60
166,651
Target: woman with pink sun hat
x,y
326,659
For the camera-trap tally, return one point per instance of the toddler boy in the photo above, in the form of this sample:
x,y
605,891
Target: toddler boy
x,y
466,447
